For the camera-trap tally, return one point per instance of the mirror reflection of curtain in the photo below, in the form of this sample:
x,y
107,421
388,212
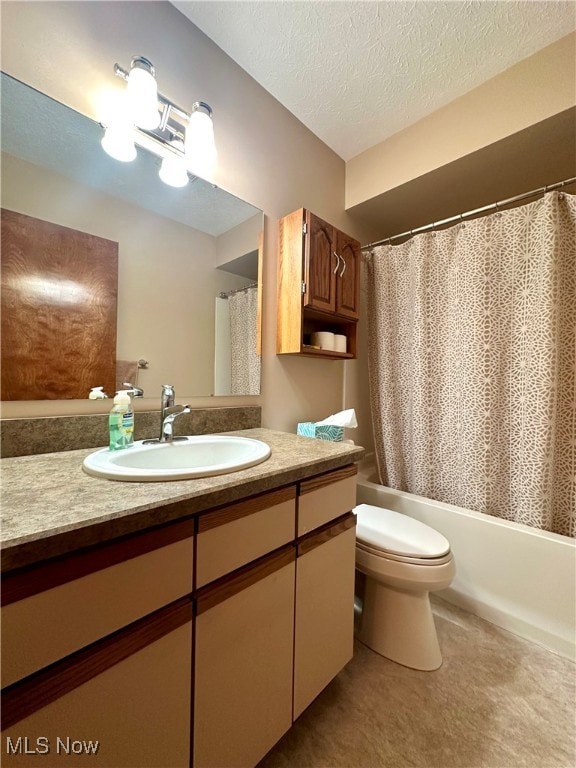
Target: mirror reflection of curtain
x,y
222,355
245,364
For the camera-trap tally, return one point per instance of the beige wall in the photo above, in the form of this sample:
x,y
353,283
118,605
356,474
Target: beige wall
x,y
167,281
265,155
238,241
531,91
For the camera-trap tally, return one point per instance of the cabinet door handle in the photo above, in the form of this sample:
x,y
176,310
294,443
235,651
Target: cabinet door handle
x,y
344,267
337,262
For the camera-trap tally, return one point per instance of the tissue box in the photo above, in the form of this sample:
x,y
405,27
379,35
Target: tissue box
x,y
320,431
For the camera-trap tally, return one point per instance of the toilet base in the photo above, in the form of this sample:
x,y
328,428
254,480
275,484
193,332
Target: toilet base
x,y
399,625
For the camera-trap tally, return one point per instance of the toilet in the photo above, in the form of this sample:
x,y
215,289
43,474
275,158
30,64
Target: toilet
x,y
403,560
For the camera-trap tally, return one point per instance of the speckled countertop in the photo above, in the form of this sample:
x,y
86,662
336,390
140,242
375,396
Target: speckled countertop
x,y
50,506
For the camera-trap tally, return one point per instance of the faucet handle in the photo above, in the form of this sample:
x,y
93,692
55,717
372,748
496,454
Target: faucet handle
x,y
168,423
176,410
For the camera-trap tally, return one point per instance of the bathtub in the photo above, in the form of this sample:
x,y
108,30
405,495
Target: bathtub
x,y
515,576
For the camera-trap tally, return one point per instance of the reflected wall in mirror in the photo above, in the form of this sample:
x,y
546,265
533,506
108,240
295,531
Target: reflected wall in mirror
x,y
188,259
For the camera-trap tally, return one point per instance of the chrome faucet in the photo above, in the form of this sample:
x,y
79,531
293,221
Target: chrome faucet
x,y
167,435
168,412
166,401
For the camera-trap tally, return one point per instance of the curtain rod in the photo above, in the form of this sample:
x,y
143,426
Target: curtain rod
x,y
484,209
227,294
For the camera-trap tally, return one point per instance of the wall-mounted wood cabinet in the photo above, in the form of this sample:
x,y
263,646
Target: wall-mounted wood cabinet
x,y
318,285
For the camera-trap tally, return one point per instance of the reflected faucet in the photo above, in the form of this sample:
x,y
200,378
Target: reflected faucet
x,y
132,390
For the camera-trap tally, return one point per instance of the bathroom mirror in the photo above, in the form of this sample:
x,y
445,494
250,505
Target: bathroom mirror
x,y
186,256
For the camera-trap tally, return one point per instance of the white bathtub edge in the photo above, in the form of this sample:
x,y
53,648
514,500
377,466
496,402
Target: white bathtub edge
x,y
552,642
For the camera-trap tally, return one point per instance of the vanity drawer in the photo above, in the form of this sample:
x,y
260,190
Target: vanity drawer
x,y
59,607
237,534
325,497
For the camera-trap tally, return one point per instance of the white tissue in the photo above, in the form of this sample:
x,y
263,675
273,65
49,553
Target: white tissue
x,y
340,342
323,339
342,419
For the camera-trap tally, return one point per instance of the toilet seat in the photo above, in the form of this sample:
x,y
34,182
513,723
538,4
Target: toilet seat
x,y
398,537
403,558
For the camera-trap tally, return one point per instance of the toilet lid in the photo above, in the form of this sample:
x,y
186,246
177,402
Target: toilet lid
x,y
396,533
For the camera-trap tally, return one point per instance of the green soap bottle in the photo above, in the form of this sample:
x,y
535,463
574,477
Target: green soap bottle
x,y
121,422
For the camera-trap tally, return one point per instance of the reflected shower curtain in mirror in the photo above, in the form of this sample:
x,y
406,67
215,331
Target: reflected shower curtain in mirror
x,y
245,372
472,357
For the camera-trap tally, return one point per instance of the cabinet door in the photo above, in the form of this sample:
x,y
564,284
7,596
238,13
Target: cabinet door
x,y
319,265
56,608
239,533
243,664
123,703
325,497
348,276
324,629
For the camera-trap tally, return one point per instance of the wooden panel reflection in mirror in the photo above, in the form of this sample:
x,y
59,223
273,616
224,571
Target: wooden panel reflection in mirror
x,y
59,297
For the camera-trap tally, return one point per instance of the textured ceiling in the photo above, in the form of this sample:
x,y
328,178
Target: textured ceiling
x,y
356,72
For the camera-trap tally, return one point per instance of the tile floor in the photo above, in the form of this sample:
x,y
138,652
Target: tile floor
x,y
498,701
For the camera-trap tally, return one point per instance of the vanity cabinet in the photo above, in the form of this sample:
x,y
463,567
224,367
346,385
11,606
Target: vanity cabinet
x,y
324,618
244,629
196,643
243,664
95,644
124,703
318,284
65,604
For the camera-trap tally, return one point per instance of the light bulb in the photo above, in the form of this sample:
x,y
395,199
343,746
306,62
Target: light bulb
x,y
200,146
142,94
118,143
173,169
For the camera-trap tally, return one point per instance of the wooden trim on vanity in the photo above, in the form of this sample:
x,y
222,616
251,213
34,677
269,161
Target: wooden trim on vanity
x,y
322,535
231,512
229,585
25,697
328,478
33,579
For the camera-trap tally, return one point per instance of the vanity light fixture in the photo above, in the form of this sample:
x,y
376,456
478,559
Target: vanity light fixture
x,y
142,94
184,140
118,141
173,170
199,146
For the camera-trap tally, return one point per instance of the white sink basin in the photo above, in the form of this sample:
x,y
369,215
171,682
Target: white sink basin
x,y
198,456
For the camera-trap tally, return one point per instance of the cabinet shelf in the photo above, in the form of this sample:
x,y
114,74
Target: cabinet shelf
x,y
325,353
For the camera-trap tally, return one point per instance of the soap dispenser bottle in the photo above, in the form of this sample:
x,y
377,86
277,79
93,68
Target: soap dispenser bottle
x,y
121,422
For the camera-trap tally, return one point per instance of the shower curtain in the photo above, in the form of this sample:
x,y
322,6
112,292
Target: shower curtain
x,y
245,364
472,357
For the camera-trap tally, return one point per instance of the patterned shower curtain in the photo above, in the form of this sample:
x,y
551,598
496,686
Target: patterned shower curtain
x,y
472,358
245,367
